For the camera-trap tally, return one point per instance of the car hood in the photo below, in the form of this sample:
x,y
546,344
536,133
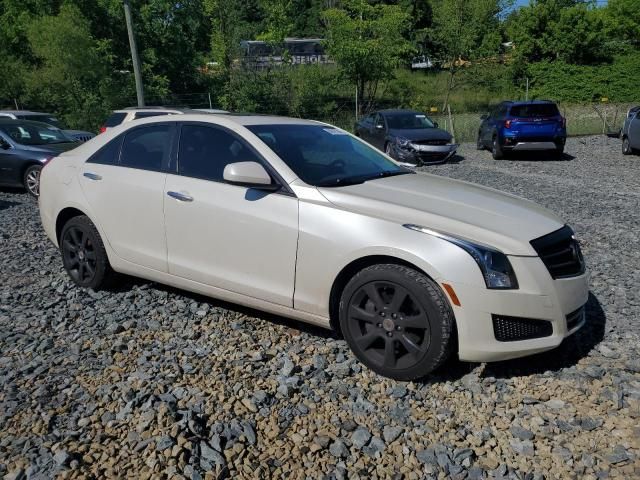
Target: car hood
x,y
421,134
454,207
78,132
53,148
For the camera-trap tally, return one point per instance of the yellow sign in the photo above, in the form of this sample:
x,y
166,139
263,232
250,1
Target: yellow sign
x,y
604,99
434,109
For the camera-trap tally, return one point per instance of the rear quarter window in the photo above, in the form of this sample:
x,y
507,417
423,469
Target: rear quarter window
x,y
109,154
115,119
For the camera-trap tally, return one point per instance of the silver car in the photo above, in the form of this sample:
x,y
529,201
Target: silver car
x,y
631,132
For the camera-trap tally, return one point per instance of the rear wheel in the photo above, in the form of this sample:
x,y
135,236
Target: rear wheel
x,y
31,179
397,321
496,149
626,146
83,254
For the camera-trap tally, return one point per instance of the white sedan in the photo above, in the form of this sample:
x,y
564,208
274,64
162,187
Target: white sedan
x,y
302,219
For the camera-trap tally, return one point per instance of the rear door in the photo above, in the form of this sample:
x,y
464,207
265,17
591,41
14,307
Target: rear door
x,y
124,185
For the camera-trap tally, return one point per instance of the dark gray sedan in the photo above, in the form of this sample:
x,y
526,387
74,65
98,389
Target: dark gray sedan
x,y
631,132
24,148
407,136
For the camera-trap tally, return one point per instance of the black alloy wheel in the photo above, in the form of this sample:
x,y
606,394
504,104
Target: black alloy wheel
x,y
396,321
83,253
626,146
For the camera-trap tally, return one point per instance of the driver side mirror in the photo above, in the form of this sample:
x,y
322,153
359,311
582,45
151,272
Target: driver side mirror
x,y
435,124
4,144
484,117
249,174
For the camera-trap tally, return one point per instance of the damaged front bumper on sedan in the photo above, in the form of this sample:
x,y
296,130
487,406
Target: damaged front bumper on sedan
x,y
416,154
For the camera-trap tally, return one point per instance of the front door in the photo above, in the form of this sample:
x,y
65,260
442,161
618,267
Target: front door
x,y
124,185
239,239
634,132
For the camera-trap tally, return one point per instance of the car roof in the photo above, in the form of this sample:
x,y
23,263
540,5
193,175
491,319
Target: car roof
x,y
532,102
11,121
394,111
25,112
151,109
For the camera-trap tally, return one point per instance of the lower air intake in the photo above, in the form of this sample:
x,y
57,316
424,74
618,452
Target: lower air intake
x,y
512,329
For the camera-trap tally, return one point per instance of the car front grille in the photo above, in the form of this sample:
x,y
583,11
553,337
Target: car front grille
x,y
83,138
575,318
512,329
560,252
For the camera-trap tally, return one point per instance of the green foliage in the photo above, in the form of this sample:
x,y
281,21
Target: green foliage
x,y
367,42
619,81
565,30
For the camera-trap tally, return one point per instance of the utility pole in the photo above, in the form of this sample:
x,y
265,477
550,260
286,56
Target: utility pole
x,y
134,54
526,97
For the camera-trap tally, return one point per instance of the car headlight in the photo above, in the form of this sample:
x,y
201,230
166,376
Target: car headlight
x,y
494,265
403,142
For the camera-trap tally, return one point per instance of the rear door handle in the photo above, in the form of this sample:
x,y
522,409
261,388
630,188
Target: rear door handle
x,y
180,196
92,176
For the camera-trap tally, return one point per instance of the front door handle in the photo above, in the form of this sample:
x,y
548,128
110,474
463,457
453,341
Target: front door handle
x,y
180,196
92,176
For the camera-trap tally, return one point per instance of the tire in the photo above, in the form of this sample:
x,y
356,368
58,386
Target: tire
x,y
83,254
496,150
626,146
479,143
397,321
31,180
558,153
387,149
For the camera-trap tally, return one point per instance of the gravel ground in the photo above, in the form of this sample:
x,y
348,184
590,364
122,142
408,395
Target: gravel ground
x,y
145,381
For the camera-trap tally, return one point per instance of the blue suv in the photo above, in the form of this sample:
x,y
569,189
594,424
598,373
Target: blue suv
x,y
520,126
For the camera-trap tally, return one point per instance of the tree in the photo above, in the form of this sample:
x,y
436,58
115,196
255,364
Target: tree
x,y
367,42
622,23
466,30
566,30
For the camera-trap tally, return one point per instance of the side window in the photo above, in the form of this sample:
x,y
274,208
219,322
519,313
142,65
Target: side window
x,y
204,152
146,147
108,154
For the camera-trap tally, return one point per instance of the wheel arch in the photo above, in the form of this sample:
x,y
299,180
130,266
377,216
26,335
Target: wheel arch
x,y
358,264
64,216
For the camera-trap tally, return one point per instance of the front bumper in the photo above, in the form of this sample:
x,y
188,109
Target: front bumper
x,y
417,155
539,298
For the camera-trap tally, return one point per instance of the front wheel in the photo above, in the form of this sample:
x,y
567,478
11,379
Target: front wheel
x,y
496,150
31,179
388,150
396,321
83,254
626,146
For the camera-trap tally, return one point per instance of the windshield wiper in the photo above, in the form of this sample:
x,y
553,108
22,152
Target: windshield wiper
x,y
343,182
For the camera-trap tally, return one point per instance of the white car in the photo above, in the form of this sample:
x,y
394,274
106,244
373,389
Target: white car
x,y
304,220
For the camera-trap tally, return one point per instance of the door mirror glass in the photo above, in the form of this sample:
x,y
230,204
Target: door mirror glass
x,y
248,174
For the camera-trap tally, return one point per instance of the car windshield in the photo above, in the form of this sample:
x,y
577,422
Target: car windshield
x,y
49,119
32,134
324,156
408,121
534,110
